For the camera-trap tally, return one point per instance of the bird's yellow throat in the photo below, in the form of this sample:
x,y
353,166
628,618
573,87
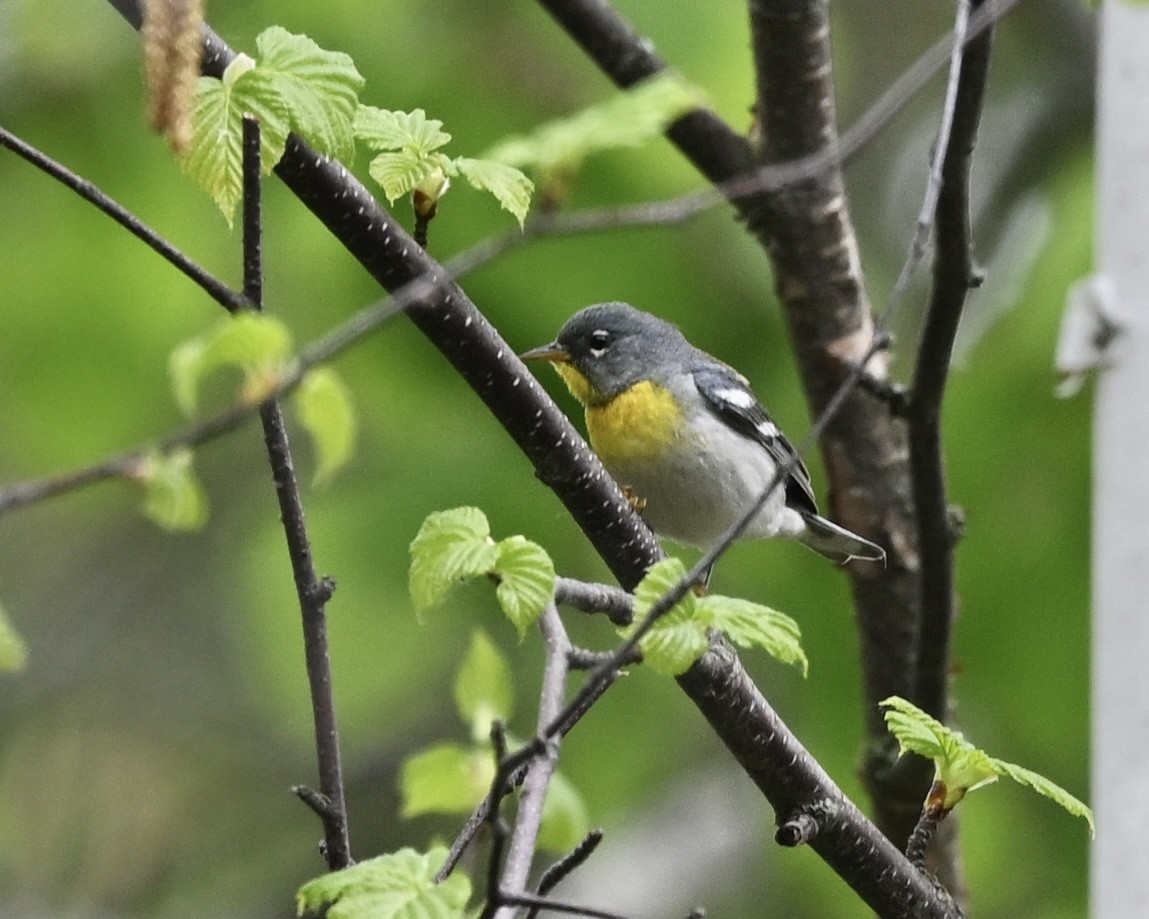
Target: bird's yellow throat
x,y
639,423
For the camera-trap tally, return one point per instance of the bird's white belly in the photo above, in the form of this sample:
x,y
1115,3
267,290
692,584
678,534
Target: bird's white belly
x,y
700,486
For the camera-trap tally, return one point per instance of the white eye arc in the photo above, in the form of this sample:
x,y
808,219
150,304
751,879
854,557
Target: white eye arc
x,y
600,340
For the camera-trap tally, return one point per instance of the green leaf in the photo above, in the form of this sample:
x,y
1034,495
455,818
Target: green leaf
x,y
295,86
449,547
319,88
326,412
173,498
445,779
679,637
751,625
412,132
1051,790
920,733
484,691
400,885
959,766
565,822
526,581
13,650
400,173
511,188
215,157
257,344
628,119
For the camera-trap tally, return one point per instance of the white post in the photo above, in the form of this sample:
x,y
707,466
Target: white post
x,y
1120,868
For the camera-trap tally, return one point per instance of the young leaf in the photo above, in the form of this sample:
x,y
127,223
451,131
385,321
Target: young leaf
x,y
679,637
400,885
511,188
751,625
959,766
1045,787
257,344
399,173
173,498
557,149
484,691
319,88
13,650
411,132
214,158
326,412
445,779
449,547
565,822
526,581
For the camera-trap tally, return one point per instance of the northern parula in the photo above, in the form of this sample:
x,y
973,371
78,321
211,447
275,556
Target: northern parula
x,y
683,432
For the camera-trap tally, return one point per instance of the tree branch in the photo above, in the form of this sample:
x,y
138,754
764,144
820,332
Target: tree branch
x,y
953,277
809,236
529,817
312,592
794,784
213,286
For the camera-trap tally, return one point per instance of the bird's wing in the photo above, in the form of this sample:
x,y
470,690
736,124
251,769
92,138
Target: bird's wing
x,y
728,394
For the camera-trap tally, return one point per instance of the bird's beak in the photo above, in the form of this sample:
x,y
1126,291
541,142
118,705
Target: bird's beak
x,y
553,353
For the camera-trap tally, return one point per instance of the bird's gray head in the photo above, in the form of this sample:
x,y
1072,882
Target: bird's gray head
x,y
613,346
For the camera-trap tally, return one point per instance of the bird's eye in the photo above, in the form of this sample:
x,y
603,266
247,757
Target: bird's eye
x,y
600,340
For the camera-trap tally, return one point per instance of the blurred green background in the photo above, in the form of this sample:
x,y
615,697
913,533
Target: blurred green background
x,y
147,750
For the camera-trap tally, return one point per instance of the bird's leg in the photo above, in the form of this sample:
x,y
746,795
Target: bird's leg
x,y
701,587
637,504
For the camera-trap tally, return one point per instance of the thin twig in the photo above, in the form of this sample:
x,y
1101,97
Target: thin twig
x,y
953,276
315,800
313,593
562,869
924,830
215,288
529,816
615,603
510,780
558,906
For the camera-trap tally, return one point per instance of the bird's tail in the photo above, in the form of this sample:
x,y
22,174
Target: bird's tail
x,y
837,543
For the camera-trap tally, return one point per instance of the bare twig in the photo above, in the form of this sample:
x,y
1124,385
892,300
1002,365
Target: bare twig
x,y
315,800
509,777
562,869
558,906
617,604
528,818
953,277
215,288
923,833
313,593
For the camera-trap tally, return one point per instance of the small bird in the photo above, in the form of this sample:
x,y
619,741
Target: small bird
x,y
684,434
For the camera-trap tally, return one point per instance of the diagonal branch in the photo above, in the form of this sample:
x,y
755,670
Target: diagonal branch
x,y
213,286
